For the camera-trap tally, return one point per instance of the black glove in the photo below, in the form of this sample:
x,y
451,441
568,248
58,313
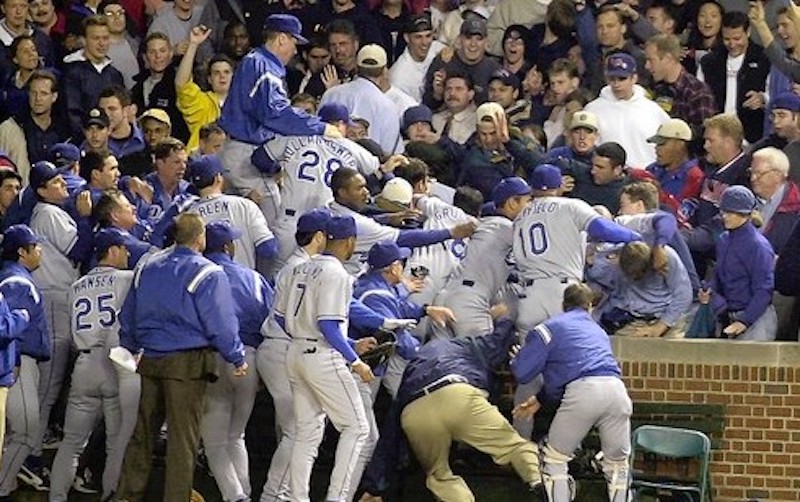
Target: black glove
x,y
387,344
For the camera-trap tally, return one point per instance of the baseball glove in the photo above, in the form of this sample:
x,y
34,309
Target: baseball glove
x,y
387,343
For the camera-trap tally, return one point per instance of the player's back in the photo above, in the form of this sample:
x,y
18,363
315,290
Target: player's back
x,y
95,299
241,213
60,231
486,260
549,238
440,259
318,289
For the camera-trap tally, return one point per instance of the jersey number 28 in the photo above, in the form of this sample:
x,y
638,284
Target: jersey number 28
x,y
311,161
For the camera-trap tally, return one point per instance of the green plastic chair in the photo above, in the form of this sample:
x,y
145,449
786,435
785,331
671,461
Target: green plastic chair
x,y
672,443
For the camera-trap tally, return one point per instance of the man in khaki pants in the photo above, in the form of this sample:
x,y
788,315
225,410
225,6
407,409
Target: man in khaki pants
x,y
444,393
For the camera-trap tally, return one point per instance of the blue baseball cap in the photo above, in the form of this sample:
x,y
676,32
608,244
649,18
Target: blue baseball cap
x,y
202,170
17,236
341,227
545,177
384,253
63,154
620,64
285,23
335,112
315,220
108,237
786,101
414,114
509,187
42,172
218,233
737,199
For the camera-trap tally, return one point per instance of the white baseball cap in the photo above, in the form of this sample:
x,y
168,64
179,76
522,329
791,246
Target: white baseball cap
x,y
671,129
371,56
398,190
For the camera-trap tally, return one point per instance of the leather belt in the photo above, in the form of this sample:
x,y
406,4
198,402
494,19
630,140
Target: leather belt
x,y
438,384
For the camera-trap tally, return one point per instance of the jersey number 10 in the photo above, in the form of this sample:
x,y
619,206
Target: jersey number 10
x,y
535,240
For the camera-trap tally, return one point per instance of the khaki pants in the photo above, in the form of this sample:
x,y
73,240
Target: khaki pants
x,y
460,412
173,387
678,330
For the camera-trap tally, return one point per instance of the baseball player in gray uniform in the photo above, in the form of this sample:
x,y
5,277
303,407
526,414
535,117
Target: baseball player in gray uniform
x,y
549,240
257,241
95,300
484,270
351,195
306,165
67,242
318,359
271,360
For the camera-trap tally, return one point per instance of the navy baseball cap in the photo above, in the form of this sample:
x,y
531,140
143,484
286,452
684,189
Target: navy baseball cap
x,y
335,112
418,23
41,173
737,199
63,154
341,227
203,169
315,220
108,237
384,253
506,77
545,177
95,117
285,23
17,236
218,233
419,113
620,64
786,101
509,187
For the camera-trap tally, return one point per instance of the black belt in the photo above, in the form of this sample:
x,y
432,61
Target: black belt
x,y
530,282
290,212
438,384
468,283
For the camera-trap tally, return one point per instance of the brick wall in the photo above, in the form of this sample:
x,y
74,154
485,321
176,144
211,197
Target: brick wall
x,y
759,458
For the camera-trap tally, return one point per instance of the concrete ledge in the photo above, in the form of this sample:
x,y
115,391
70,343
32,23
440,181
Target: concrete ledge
x,y
712,352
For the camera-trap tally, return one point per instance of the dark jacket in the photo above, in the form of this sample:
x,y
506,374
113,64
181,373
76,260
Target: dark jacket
x,y
751,77
787,268
82,86
483,169
162,96
783,221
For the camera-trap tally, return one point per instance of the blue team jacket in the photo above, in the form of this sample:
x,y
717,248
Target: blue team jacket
x,y
252,297
181,301
257,108
565,348
744,274
374,292
12,326
16,285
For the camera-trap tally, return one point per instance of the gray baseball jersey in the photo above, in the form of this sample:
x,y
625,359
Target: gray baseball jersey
x,y
549,238
242,213
440,259
57,272
303,296
96,299
368,233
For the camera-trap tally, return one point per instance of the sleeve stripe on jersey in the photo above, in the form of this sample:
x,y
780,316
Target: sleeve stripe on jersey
x,y
204,272
544,333
24,282
331,317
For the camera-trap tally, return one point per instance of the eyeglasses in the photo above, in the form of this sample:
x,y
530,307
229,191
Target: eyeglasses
x,y
757,175
115,13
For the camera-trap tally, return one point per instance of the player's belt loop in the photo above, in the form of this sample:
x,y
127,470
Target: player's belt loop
x,y
290,212
468,283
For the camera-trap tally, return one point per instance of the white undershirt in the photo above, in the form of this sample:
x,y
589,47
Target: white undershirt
x,y
732,67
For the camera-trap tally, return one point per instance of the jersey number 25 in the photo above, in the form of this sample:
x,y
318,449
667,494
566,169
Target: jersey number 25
x,y
83,308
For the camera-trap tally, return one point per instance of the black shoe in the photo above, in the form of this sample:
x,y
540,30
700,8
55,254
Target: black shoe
x,y
34,474
85,482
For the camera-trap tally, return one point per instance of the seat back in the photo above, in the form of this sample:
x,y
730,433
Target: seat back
x,y
674,443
